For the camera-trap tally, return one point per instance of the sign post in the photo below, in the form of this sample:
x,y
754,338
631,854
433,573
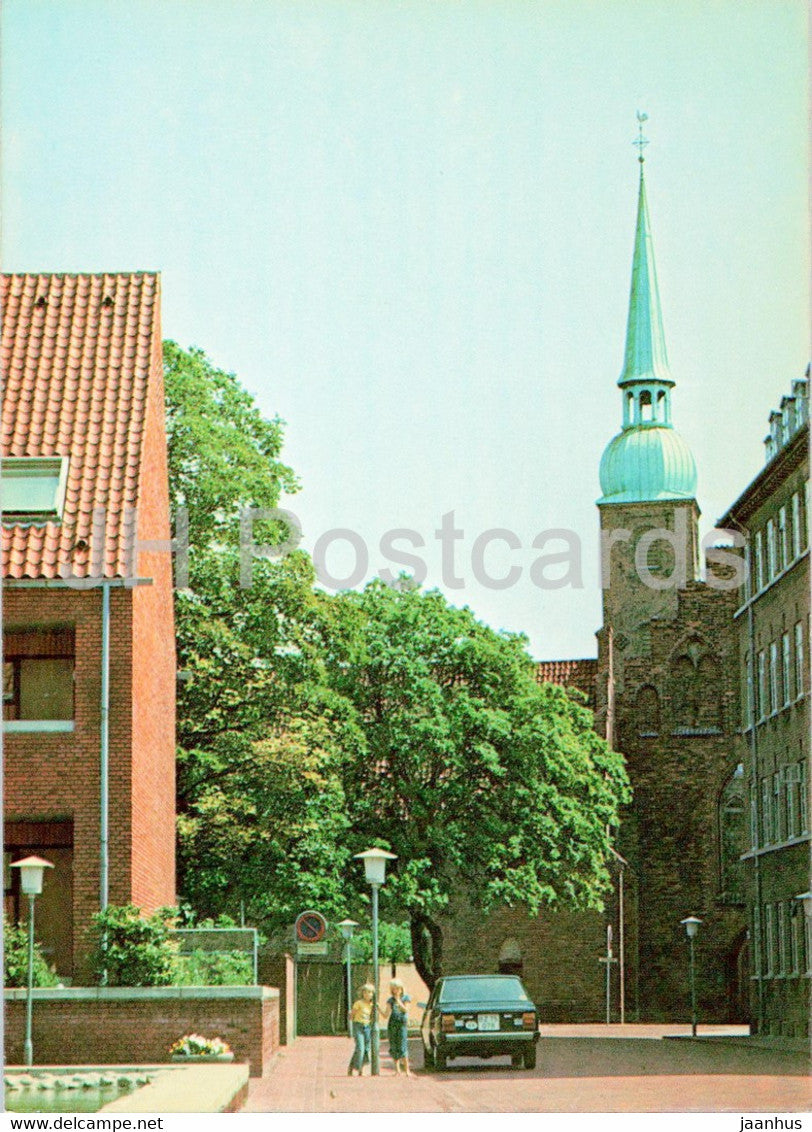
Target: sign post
x,y
608,959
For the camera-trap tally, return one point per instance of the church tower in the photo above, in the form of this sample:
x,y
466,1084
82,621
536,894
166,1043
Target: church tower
x,y
666,693
648,476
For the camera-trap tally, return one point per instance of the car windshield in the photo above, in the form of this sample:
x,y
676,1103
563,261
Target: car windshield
x,y
483,989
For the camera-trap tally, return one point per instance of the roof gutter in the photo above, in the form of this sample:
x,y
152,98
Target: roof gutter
x,y
77,584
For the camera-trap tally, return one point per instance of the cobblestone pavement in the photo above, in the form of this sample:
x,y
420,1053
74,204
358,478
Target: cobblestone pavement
x,y
586,1073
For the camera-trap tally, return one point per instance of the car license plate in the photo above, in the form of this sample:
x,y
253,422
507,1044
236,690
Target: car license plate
x,y
488,1021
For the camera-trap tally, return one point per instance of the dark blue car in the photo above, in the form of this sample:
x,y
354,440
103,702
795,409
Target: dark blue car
x,y
479,1016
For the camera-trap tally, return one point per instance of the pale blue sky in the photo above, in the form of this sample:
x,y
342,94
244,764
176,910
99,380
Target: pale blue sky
x,y
408,228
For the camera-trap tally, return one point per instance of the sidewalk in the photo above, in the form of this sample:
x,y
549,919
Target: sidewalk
x,y
612,1072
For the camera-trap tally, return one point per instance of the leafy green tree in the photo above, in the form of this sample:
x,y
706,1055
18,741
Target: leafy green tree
x,y
311,726
259,816
484,782
134,950
394,943
268,830
223,454
15,959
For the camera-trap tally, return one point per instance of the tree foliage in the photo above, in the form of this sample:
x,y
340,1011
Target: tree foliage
x,y
482,781
223,454
134,950
312,726
15,959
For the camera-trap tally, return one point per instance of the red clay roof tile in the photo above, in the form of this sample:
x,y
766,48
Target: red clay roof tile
x,y
76,373
570,673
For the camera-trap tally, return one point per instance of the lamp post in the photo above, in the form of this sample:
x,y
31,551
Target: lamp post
x,y
31,870
691,925
347,927
375,870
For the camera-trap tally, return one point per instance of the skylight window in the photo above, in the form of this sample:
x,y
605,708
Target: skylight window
x,y
33,486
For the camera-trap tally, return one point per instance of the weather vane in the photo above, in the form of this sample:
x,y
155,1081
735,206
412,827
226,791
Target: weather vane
x,y
640,141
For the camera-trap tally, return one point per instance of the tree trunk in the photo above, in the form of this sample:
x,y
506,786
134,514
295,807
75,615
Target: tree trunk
x,y
427,948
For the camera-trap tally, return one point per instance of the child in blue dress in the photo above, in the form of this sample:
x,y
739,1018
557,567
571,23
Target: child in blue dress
x,y
397,1026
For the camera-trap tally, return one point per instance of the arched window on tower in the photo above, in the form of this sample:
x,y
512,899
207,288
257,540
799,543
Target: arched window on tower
x,y
685,694
647,711
660,414
646,407
510,958
709,698
732,838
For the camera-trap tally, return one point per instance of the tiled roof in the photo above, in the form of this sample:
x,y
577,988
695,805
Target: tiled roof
x,y
75,357
570,673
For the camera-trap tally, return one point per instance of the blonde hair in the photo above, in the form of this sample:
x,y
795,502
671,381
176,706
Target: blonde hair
x,y
367,986
396,983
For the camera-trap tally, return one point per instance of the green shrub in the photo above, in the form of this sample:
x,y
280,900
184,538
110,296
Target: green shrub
x,y
214,969
134,950
15,959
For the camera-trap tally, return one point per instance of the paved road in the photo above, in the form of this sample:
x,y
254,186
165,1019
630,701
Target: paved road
x,y
574,1074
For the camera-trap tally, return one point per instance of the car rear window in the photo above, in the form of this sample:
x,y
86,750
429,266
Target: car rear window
x,y
482,990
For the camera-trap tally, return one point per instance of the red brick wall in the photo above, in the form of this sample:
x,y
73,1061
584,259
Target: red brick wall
x,y
153,692
137,1026
56,775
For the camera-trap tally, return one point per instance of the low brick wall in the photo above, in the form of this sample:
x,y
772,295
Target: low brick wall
x,y
136,1025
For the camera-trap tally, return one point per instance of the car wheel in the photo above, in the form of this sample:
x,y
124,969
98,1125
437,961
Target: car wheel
x,y
530,1056
428,1058
440,1060
517,1060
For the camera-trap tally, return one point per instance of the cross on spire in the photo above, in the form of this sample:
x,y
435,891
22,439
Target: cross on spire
x,y
640,141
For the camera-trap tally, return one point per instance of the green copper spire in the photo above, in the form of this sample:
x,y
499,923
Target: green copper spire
x,y
646,359
648,460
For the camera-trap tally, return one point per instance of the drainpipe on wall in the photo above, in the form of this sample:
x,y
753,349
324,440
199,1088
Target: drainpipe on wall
x,y
104,753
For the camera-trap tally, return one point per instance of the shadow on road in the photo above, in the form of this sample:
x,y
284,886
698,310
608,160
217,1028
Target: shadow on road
x,y
630,1057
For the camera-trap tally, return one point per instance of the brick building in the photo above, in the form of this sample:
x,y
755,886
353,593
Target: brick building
x,y
772,631
664,690
89,651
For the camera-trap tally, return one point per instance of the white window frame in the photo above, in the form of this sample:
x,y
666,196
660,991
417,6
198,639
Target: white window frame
x,y
796,525
795,939
773,677
786,694
803,794
771,559
769,939
799,659
792,778
762,685
766,811
759,560
778,798
783,541
781,922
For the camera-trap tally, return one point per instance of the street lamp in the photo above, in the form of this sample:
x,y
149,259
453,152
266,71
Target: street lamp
x,y
375,870
691,925
31,870
347,927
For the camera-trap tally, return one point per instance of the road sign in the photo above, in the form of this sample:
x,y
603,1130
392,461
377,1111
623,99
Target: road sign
x,y
311,927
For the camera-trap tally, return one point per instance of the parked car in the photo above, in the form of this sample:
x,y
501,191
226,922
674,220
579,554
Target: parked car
x,y
479,1016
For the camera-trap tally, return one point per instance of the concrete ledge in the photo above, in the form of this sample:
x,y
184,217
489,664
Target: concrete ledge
x,y
188,1088
138,994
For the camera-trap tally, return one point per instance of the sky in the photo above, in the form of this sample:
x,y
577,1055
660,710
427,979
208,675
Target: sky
x,y
408,229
